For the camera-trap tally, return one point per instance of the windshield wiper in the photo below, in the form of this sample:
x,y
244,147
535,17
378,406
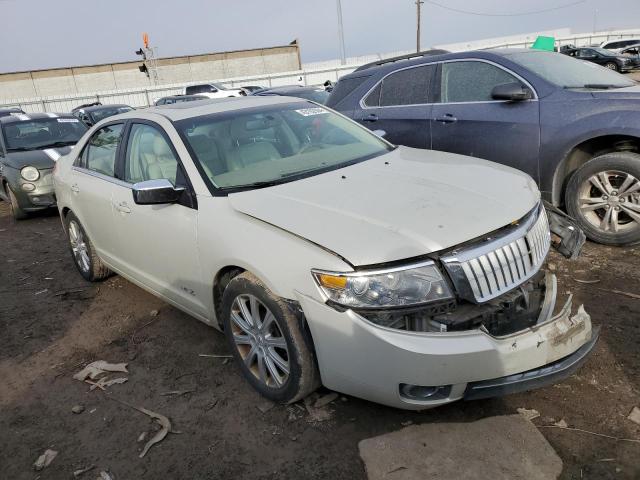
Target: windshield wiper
x,y
266,183
19,149
55,144
598,86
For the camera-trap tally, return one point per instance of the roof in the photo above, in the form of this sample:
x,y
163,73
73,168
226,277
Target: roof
x,y
288,88
24,117
180,111
184,96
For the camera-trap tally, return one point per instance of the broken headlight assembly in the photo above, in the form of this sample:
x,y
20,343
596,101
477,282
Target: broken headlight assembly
x,y
404,286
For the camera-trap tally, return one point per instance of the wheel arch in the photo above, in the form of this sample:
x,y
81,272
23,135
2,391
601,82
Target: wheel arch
x,y
220,282
585,151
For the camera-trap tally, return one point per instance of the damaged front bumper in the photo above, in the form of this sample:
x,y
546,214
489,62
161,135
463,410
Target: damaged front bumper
x,y
360,358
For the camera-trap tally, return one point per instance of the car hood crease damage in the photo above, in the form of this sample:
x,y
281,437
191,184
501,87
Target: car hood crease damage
x,y
417,206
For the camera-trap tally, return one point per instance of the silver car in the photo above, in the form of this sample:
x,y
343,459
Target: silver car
x,y
325,254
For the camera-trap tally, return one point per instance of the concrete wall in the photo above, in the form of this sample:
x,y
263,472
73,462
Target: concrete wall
x,y
117,76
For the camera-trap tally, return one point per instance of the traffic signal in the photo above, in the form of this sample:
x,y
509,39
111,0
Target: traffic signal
x,y
143,69
141,52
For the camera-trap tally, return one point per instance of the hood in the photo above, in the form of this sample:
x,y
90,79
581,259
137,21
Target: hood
x,y
36,158
400,205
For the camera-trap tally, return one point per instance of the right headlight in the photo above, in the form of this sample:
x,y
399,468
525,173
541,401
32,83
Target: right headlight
x,y
386,288
30,174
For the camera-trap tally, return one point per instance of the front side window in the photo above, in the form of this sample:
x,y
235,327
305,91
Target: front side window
x,y
99,154
149,156
567,72
471,81
43,133
275,144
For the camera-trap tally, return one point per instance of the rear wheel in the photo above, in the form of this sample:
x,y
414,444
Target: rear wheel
x,y
17,212
87,262
612,66
603,195
265,337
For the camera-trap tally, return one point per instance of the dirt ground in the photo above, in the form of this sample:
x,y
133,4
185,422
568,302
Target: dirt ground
x,y
52,323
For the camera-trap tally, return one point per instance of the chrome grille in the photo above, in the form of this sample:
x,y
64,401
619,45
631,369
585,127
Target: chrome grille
x,y
486,271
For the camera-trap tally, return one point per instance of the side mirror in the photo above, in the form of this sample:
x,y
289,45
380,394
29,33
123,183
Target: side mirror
x,y
512,92
154,192
380,133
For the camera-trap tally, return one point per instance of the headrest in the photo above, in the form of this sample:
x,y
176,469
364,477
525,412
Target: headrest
x,y
160,146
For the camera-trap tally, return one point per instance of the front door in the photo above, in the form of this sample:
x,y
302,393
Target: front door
x,y
399,105
468,121
157,243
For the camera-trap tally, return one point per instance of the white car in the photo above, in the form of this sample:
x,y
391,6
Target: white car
x,y
213,90
408,277
619,45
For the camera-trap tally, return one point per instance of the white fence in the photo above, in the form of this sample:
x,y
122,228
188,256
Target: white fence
x,y
312,74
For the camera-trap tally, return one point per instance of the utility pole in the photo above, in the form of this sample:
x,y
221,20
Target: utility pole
x,y
418,14
343,59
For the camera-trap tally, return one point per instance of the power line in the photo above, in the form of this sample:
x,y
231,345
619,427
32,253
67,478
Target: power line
x,y
481,14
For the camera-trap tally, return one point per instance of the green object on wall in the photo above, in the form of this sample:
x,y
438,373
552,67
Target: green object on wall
x,y
544,43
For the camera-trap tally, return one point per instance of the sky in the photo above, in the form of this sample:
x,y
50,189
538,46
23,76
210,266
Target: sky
x,y
37,34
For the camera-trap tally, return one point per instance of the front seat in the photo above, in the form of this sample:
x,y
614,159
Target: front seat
x,y
162,163
249,148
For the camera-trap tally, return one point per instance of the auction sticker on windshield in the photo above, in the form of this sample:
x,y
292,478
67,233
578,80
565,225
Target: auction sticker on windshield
x,y
308,112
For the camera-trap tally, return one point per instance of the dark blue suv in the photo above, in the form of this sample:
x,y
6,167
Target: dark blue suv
x,y
572,125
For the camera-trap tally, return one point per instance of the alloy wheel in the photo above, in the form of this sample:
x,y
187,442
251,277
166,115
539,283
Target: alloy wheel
x,y
259,340
78,246
610,201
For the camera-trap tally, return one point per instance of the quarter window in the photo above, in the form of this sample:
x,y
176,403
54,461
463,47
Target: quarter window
x,y
100,153
471,81
149,156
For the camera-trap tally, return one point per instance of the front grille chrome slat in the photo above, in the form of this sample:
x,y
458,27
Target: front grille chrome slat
x,y
485,271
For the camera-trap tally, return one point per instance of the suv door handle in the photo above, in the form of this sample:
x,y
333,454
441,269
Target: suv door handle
x,y
372,117
447,118
74,188
122,207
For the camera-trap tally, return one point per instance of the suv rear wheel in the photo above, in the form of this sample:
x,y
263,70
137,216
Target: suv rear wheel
x,y
603,195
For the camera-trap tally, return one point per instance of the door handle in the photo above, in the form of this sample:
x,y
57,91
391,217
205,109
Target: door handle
x,y
122,207
447,118
74,188
372,117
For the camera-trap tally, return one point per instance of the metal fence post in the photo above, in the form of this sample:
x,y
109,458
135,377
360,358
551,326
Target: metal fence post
x,y
146,94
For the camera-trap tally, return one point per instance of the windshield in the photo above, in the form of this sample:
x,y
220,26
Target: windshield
x,y
108,112
568,72
275,144
42,133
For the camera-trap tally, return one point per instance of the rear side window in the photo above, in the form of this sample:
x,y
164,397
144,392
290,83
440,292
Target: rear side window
x,y
200,89
100,153
407,87
344,88
471,81
411,86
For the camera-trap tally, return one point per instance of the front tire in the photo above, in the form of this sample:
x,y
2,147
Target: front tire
x,y
612,66
82,251
603,196
17,212
265,336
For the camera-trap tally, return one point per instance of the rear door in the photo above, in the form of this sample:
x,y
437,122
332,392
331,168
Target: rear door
x,y
400,105
468,121
92,179
156,244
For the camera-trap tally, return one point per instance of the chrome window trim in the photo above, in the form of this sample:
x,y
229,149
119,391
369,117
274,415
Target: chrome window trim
x,y
102,176
511,72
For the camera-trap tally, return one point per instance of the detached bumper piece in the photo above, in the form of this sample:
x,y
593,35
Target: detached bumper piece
x,y
532,379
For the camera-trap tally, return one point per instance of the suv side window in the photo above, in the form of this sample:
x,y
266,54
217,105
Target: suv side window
x,y
471,81
410,86
99,155
194,89
149,156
